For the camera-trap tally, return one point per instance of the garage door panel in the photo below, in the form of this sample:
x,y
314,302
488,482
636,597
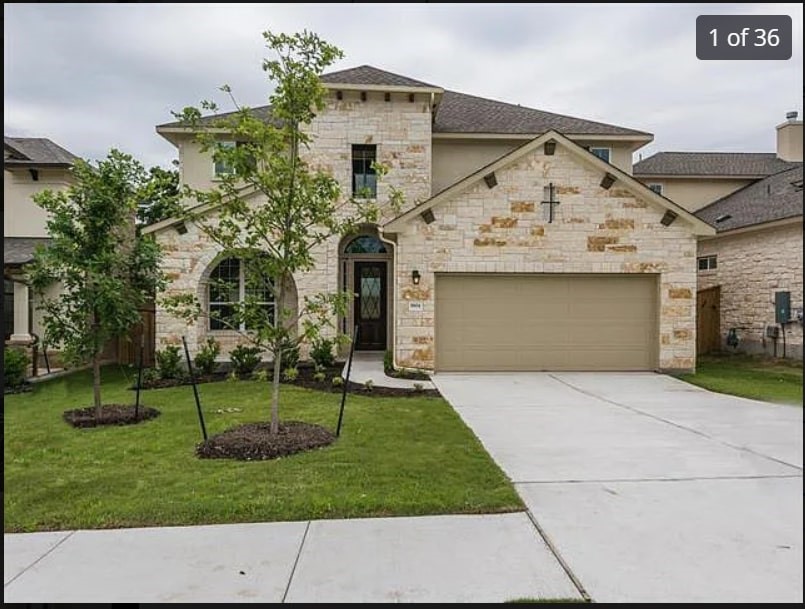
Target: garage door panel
x,y
545,322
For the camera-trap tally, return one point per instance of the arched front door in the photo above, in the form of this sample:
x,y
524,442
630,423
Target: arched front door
x,y
366,270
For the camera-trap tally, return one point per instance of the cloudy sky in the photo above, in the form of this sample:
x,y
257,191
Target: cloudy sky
x,y
92,77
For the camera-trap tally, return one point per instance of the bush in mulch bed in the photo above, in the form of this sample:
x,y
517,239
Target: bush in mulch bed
x,y
254,442
158,383
111,414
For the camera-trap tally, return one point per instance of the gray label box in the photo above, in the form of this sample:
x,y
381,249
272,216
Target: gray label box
x,y
743,37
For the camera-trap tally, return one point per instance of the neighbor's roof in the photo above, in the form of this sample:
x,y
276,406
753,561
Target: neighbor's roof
x,y
776,197
35,151
465,114
739,164
20,250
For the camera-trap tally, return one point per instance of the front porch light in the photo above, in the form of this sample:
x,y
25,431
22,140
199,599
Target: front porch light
x,y
415,277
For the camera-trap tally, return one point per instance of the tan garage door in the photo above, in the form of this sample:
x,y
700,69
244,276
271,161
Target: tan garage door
x,y
546,322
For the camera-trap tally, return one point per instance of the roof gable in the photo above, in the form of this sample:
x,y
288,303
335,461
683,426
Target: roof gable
x,y
628,182
777,197
369,75
33,151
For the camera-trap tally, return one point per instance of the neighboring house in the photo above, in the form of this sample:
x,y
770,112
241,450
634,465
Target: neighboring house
x,y
525,243
754,200
696,179
30,165
753,265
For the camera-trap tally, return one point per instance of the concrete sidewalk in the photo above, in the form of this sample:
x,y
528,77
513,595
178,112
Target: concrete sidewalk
x,y
368,365
467,558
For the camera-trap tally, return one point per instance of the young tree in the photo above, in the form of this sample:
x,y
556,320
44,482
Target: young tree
x,y
297,206
161,197
106,269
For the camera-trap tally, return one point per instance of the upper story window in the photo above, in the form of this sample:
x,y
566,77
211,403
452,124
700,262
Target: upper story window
x,y
223,168
656,188
707,263
602,153
364,179
230,284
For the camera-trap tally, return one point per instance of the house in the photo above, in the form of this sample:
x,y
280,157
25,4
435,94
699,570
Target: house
x,y
30,165
525,243
754,262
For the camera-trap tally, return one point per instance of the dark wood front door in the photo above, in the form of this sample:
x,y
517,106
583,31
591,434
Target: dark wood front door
x,y
708,320
370,305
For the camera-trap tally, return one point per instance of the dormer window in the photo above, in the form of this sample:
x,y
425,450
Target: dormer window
x,y
364,178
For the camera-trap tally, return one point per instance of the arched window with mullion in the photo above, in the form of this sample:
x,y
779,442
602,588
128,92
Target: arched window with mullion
x,y
237,297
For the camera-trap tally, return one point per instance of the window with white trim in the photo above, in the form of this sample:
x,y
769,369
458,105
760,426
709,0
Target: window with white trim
x,y
602,153
229,285
707,263
655,187
222,168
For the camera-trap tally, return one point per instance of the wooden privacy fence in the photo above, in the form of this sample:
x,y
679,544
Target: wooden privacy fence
x,y
128,348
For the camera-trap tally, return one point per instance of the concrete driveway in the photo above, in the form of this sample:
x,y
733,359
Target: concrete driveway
x,y
650,489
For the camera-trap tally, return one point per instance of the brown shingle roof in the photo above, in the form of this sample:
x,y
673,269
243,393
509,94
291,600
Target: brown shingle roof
x,y
777,197
462,113
742,164
369,75
35,151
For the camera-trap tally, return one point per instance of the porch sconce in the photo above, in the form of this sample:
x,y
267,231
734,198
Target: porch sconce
x,y
339,95
550,147
427,216
607,181
181,228
668,218
491,180
388,97
363,95
415,276
34,174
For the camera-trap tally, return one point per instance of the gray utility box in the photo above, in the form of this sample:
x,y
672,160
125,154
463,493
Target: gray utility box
x,y
782,307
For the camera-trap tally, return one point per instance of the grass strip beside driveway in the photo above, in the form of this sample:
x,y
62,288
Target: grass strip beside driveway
x,y
396,457
755,377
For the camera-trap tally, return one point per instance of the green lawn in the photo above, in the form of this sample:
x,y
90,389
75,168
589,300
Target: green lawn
x,y
756,377
396,456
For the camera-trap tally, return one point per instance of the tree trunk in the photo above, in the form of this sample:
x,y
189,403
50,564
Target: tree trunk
x,y
275,389
96,383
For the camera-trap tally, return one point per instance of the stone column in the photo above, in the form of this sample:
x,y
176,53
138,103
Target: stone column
x,y
21,334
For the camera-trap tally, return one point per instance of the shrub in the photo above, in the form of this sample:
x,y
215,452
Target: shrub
x,y
369,384
320,377
15,361
337,381
290,353
388,362
150,375
322,353
419,387
205,358
260,375
245,359
168,362
290,374
232,377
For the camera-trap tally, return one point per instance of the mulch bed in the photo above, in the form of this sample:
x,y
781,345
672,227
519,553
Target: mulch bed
x,y
305,379
254,442
111,414
24,388
407,374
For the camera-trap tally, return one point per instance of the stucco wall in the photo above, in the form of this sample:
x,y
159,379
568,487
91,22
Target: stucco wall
x,y
752,266
454,159
502,230
693,194
21,216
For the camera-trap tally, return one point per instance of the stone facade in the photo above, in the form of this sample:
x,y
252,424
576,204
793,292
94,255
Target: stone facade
x,y
502,230
751,267
400,128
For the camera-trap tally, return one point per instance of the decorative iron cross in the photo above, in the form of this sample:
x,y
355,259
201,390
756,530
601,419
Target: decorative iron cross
x,y
549,192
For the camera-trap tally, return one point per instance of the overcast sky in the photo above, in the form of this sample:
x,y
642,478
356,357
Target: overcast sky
x,y
92,77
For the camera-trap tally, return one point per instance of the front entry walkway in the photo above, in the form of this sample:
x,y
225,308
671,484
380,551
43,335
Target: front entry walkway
x,y
368,365
650,489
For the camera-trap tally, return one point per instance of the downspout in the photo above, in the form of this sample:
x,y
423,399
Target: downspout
x,y
393,244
